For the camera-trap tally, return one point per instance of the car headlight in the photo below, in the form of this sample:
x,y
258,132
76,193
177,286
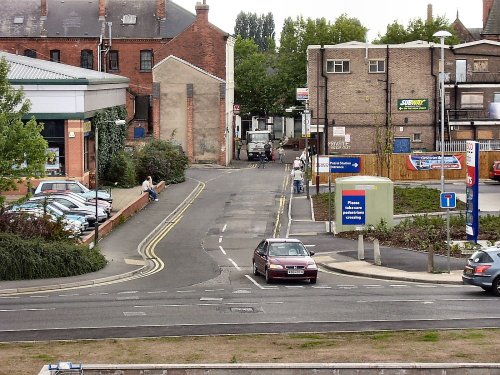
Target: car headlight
x,y
311,265
275,266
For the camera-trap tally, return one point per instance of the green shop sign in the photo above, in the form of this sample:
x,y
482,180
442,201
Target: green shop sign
x,y
413,104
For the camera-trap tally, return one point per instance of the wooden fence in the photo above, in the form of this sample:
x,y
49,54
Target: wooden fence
x,y
399,171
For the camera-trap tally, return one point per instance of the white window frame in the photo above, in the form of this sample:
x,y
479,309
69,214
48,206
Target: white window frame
x,y
375,63
416,137
338,66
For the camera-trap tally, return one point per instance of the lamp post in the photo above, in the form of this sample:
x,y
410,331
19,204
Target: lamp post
x,y
442,34
96,225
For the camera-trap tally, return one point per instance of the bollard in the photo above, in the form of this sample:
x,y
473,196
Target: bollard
x,y
376,252
430,259
361,248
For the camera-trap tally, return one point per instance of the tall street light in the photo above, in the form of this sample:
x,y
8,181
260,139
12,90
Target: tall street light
x,y
441,35
96,225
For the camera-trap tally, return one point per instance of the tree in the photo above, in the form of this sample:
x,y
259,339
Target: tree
x,y
417,29
260,29
22,147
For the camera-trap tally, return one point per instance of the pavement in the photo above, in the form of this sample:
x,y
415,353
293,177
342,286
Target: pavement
x,y
123,247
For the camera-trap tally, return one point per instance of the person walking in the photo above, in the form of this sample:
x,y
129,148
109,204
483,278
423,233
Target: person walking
x,y
297,176
262,160
238,148
147,186
267,150
281,154
297,163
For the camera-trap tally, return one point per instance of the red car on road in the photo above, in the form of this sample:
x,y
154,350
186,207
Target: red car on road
x,y
284,259
495,171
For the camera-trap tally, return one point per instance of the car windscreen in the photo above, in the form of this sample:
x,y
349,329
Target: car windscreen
x,y
287,249
258,137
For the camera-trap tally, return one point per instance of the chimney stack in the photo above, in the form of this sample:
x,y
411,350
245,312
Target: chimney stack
x,y
102,9
487,5
202,11
43,8
429,13
160,10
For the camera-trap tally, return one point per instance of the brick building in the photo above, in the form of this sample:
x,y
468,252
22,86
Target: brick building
x,y
128,37
374,91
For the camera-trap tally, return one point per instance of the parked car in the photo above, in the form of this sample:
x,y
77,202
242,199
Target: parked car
x,y
73,186
483,269
74,204
279,258
495,171
106,206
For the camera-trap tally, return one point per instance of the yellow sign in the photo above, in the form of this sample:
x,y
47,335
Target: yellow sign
x,y
87,126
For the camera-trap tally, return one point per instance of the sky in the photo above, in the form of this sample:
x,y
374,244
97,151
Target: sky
x,y
373,14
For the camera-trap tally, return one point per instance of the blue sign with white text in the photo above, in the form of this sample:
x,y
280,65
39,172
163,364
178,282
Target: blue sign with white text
x,y
345,165
448,200
353,207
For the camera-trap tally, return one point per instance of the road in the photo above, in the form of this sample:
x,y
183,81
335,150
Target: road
x,y
203,282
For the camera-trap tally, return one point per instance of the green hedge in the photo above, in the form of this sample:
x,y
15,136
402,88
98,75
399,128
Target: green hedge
x,y
24,259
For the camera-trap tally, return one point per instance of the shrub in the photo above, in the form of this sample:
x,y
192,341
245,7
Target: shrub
x,y
31,226
162,160
35,258
121,170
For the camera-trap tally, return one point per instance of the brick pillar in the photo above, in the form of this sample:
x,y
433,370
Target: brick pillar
x,y
156,110
43,8
102,9
222,124
487,4
190,123
202,12
73,144
160,9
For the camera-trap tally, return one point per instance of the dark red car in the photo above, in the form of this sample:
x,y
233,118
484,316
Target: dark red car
x,y
495,171
284,259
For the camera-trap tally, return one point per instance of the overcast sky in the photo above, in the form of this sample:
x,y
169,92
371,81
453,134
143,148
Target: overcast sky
x,y
373,14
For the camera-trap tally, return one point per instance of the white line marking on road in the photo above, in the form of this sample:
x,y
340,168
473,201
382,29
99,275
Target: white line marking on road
x,y
214,290
294,286
185,291
220,239
322,287
69,295
224,228
399,286
210,299
158,292
234,264
207,304
19,310
8,297
253,281
222,249
426,286
39,296
129,292
134,313
373,286
274,287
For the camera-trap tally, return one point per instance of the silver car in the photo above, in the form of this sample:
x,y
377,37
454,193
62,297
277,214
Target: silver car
x,y
483,269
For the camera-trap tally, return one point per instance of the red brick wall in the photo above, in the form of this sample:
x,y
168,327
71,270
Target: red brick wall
x,y
74,148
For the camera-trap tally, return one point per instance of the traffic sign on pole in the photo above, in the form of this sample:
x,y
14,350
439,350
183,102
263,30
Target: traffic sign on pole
x,y
448,200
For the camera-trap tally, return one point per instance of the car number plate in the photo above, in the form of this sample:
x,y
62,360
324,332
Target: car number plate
x,y
295,272
468,271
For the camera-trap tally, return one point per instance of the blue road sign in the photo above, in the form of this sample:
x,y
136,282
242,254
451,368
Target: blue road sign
x,y
353,207
345,165
448,200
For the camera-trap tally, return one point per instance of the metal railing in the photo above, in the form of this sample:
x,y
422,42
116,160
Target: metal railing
x,y
459,146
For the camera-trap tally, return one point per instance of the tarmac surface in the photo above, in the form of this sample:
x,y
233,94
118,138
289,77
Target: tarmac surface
x,y
332,253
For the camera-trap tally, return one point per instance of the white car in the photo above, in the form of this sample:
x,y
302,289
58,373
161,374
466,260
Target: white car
x,y
74,204
77,187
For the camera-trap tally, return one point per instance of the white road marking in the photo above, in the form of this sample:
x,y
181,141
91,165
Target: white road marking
x,y
134,313
210,299
426,286
69,295
185,291
39,296
221,249
399,286
214,290
234,264
253,281
294,286
224,228
220,239
128,292
8,297
158,292
373,286
322,287
19,310
127,298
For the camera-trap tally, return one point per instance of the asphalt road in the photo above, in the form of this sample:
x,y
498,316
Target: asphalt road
x,y
204,285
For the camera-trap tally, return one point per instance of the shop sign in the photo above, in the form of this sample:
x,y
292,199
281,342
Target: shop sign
x,y
413,104
433,161
303,94
472,191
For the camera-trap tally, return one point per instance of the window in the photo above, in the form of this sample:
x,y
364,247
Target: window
x,y
53,133
113,60
480,65
146,60
376,66
30,53
87,59
461,70
338,66
86,156
55,55
496,97
471,100
417,137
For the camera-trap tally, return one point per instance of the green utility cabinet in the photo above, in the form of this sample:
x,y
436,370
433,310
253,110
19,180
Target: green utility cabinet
x,y
362,201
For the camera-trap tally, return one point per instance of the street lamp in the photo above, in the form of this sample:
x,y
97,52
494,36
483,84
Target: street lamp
x,y
96,225
441,35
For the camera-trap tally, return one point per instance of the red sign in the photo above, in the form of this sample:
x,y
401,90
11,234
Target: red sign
x,y
236,108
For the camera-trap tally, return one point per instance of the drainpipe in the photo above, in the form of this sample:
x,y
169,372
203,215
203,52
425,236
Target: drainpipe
x,y
99,51
387,88
435,94
325,77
